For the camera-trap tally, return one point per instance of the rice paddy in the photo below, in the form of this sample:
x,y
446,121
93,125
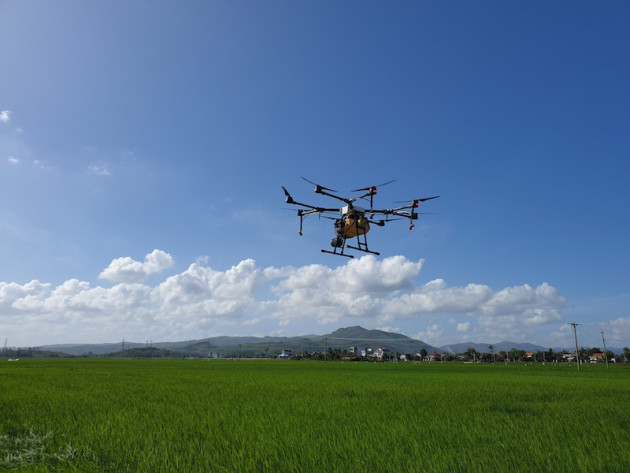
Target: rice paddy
x,y
286,416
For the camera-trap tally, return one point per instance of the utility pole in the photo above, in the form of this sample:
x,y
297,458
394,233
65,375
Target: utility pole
x,y
577,354
605,354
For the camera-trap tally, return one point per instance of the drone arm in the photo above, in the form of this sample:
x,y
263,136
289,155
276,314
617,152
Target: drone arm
x,y
319,190
302,213
290,200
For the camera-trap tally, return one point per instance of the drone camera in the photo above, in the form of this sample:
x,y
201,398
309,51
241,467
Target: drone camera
x,y
336,242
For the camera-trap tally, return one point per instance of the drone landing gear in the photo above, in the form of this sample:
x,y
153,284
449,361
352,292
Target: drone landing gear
x,y
338,242
362,245
365,250
338,254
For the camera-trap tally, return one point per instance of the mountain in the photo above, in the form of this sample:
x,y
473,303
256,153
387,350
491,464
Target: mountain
x,y
342,338
363,338
497,347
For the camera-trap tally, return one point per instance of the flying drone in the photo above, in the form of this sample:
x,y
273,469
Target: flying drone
x,y
354,221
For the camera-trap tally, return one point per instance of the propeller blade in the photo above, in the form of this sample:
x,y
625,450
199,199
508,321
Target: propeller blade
x,y
318,186
373,188
427,198
289,199
423,199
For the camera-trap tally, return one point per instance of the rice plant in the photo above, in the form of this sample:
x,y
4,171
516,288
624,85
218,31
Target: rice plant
x,y
283,416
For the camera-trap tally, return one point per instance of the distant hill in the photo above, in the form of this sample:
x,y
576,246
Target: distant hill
x,y
363,338
483,347
342,338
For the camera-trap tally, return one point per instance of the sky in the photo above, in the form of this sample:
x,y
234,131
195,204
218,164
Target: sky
x,y
143,146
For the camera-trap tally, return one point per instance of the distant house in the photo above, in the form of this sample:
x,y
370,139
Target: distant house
x,y
572,357
528,355
569,357
434,357
381,352
596,357
286,354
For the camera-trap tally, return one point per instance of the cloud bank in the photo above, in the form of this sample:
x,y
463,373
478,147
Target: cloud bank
x,y
200,301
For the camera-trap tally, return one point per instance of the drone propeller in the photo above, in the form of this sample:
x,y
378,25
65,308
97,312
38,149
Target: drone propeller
x,y
415,201
372,189
289,199
318,187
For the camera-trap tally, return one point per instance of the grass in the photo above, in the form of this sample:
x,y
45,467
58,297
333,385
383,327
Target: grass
x,y
282,416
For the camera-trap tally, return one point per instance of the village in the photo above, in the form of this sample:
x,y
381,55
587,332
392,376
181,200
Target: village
x,y
382,354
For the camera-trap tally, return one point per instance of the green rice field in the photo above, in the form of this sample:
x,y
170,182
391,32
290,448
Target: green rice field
x,y
287,416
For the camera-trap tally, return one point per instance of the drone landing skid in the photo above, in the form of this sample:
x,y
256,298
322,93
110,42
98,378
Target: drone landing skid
x,y
365,250
338,254
362,245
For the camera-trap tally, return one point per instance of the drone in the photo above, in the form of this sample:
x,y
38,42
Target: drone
x,y
354,221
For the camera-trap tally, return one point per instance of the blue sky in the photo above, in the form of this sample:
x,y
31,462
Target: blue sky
x,y
143,146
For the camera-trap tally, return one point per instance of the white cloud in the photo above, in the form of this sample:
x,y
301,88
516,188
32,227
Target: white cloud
x,y
463,327
617,332
199,299
13,160
99,170
437,297
432,335
13,292
127,270
357,289
5,116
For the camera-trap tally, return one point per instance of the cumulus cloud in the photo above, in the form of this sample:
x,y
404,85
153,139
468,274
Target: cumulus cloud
x,y
189,304
434,334
13,160
618,331
357,289
127,270
5,116
12,292
463,327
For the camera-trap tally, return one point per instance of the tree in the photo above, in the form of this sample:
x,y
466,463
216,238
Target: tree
x,y
491,349
516,355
